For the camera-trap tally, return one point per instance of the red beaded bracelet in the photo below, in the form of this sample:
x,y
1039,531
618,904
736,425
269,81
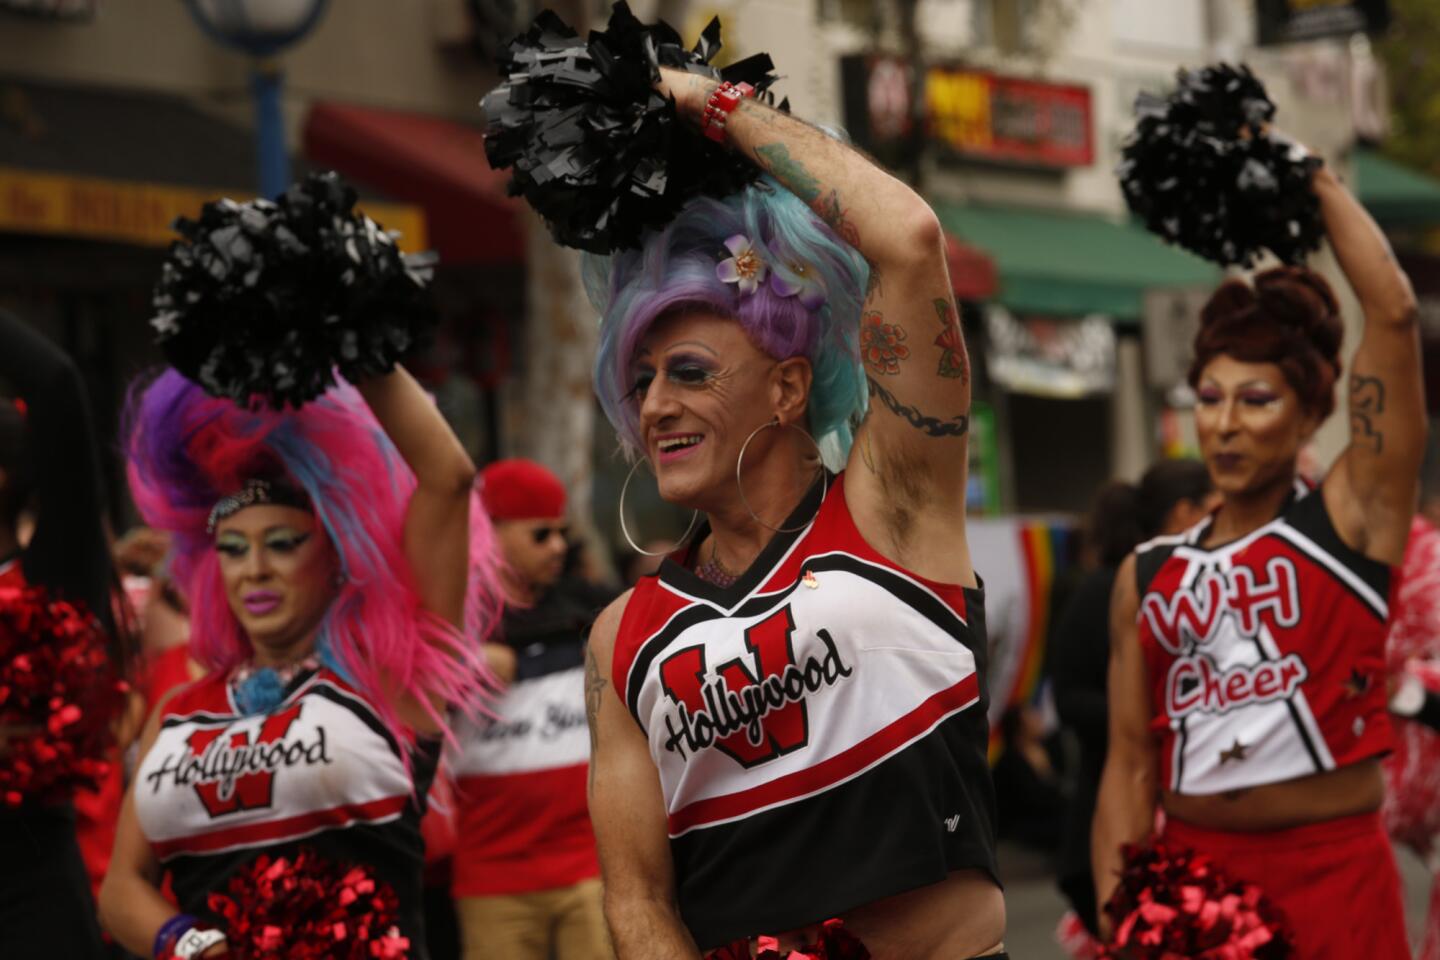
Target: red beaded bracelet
x,y
721,104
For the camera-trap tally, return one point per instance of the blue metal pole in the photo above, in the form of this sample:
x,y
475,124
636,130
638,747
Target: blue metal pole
x,y
272,160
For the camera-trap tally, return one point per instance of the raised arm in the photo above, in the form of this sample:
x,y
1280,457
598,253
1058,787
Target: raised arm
x,y
437,524
1125,810
913,443
68,551
628,810
1372,488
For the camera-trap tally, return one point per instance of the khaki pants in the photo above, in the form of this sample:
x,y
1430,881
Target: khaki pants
x,y
564,924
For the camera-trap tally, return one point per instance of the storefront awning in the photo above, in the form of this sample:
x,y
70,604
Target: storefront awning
x,y
972,273
1394,194
1073,264
428,161
120,165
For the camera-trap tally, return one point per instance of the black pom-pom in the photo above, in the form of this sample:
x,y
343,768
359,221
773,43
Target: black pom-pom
x,y
1204,173
594,149
262,301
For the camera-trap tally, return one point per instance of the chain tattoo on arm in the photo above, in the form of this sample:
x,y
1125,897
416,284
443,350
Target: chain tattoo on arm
x,y
1367,400
594,690
956,426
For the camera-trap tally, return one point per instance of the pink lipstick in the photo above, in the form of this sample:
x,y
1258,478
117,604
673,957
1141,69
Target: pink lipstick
x,y
260,602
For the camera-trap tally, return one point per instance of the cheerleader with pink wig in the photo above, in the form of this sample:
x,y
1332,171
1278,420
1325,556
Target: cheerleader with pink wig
x,y
339,582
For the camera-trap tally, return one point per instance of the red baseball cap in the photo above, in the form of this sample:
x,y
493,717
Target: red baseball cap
x,y
520,489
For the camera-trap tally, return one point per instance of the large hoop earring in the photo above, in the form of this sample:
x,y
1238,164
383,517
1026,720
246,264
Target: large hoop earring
x,y
625,530
740,462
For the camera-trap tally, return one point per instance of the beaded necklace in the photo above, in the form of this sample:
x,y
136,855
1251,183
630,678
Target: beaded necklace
x,y
713,571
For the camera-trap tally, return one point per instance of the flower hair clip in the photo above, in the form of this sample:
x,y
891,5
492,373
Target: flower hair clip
x,y
746,268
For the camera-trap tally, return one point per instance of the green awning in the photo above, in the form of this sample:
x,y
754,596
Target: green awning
x,y
1073,264
1394,194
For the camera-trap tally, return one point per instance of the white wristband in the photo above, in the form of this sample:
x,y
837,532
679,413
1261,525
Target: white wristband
x,y
196,942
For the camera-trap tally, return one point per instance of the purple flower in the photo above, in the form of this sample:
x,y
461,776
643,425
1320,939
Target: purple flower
x,y
798,279
744,266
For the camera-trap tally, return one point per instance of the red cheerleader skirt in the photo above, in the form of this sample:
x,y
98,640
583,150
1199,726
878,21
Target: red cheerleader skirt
x,y
1335,881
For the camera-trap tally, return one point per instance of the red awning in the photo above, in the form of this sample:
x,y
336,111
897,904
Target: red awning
x,y
972,273
434,163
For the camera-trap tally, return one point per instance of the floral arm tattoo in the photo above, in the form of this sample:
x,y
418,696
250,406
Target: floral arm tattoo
x,y
954,360
882,345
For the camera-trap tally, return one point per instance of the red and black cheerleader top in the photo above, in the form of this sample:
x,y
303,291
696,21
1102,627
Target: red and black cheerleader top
x,y
819,727
319,770
1266,655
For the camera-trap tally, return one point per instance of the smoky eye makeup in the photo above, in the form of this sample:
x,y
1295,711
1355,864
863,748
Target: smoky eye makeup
x,y
689,370
1258,398
285,541
643,378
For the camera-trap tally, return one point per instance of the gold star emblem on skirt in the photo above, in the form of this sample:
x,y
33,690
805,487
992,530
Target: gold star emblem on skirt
x,y
1236,752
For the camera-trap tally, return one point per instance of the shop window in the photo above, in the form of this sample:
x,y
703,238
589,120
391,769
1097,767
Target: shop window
x,y
1006,25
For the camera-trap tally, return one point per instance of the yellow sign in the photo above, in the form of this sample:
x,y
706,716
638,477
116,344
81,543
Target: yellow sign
x,y
958,103
137,213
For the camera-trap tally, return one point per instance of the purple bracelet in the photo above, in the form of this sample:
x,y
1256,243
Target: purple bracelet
x,y
172,930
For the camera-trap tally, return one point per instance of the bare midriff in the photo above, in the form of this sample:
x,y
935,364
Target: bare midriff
x,y
962,916
1357,788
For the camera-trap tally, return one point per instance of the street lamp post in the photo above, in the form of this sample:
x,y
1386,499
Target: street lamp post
x,y
261,29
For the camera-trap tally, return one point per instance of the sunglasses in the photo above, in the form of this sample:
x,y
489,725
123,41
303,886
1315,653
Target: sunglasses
x,y
541,534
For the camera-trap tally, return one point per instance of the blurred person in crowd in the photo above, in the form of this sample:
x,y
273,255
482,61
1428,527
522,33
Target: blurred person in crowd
x,y
1412,653
50,470
326,606
526,879
1172,496
1027,784
1247,682
789,719
164,622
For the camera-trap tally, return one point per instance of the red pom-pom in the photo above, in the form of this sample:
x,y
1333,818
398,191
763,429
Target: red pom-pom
x,y
833,942
58,697
1173,903
309,908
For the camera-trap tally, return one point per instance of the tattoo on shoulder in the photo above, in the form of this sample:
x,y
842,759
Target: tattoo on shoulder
x,y
1367,401
789,171
956,426
594,690
882,345
954,360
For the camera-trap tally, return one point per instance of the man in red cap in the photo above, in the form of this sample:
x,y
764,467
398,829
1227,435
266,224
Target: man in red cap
x,y
526,879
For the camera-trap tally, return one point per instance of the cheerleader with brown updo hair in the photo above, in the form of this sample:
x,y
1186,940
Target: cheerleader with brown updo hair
x,y
1247,691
